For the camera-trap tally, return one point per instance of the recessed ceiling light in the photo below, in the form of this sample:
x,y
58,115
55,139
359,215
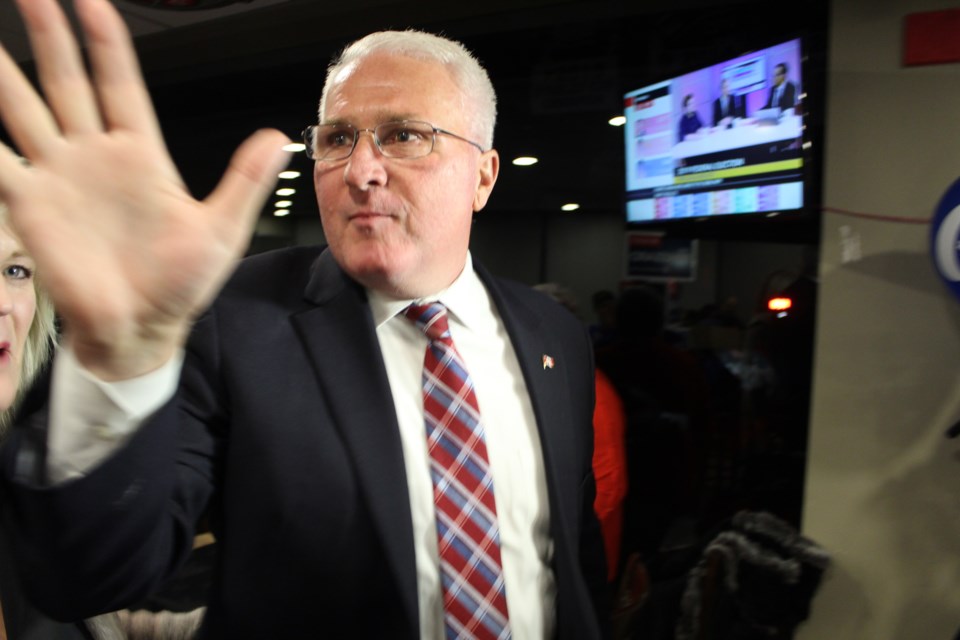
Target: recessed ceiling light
x,y
281,212
289,175
525,161
283,204
296,147
570,206
618,121
286,191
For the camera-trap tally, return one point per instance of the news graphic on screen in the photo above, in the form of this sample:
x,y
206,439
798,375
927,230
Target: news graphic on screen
x,y
723,140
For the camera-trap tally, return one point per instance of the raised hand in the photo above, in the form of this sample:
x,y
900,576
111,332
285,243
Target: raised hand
x,y
128,255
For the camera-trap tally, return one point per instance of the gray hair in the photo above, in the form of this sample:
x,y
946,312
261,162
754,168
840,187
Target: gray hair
x,y
39,344
477,95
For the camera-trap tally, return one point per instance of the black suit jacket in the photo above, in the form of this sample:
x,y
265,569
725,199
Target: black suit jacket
x,y
788,99
284,432
21,620
736,109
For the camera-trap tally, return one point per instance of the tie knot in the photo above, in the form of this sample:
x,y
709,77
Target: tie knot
x,y
431,319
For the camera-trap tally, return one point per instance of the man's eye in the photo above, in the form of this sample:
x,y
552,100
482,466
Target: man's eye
x,y
339,139
401,135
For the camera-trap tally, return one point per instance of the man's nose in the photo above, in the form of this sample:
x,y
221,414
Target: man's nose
x,y
365,167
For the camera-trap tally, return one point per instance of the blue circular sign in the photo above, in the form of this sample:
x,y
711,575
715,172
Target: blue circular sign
x,y
945,238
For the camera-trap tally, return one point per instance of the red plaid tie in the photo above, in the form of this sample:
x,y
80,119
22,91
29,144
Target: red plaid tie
x,y
474,596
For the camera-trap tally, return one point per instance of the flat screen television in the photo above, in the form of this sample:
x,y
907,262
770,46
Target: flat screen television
x,y
725,141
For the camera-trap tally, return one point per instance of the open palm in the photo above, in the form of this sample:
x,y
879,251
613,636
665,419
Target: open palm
x,y
128,255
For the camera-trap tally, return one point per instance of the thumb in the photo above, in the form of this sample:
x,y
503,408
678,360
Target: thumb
x,y
248,181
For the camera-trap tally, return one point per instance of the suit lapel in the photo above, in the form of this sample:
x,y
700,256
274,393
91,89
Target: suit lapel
x,y
532,343
341,342
548,384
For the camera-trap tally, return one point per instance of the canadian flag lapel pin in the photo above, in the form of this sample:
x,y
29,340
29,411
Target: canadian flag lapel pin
x,y
547,362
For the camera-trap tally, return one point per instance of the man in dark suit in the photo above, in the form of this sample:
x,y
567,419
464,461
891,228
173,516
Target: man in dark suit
x,y
301,418
727,107
783,93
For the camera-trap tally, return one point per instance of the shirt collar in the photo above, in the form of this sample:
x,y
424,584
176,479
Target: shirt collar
x,y
463,299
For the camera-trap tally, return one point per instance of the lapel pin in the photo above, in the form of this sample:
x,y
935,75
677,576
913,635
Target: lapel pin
x,y
547,362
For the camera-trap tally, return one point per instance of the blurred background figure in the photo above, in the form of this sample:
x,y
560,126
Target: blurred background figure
x,y
665,398
689,121
727,107
604,330
783,93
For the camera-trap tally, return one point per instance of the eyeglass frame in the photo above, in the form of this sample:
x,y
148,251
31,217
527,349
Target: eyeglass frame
x,y
308,139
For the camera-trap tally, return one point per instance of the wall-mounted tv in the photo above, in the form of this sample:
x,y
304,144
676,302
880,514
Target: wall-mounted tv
x,y
725,140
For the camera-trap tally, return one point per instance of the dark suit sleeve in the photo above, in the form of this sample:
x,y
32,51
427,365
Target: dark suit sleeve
x,y
104,541
563,400
589,543
593,559
787,100
790,96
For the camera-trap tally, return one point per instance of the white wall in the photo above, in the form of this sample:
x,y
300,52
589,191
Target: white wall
x,y
883,484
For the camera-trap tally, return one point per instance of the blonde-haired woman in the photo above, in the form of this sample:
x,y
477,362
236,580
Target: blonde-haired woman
x,y
27,323
27,336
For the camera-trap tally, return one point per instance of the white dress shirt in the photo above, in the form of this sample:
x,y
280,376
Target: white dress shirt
x,y
90,419
513,446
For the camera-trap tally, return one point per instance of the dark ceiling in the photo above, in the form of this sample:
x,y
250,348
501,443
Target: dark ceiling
x,y
560,70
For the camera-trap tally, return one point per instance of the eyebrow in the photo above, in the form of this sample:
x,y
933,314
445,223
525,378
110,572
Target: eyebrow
x,y
19,255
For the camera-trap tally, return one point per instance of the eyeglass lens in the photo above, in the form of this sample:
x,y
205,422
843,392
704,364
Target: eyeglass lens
x,y
405,139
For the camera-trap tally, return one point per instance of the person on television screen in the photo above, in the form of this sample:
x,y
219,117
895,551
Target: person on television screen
x,y
689,121
783,93
387,440
727,107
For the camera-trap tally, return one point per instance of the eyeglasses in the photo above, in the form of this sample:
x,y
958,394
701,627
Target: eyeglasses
x,y
401,139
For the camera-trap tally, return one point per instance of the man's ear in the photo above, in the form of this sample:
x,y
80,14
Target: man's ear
x,y
487,171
